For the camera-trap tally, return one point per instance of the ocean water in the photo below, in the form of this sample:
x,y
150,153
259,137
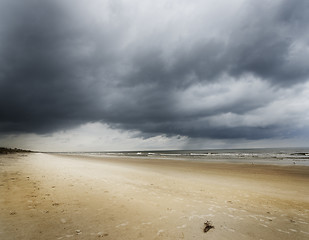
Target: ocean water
x,y
285,156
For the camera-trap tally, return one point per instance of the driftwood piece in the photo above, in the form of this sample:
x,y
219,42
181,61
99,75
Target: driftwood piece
x,y
208,226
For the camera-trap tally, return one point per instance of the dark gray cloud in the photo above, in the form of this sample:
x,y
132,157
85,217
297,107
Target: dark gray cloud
x,y
42,81
156,69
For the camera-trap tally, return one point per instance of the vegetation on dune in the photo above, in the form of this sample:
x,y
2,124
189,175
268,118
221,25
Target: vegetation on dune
x,y
4,150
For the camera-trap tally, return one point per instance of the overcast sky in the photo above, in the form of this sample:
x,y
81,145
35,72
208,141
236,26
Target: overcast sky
x,y
78,75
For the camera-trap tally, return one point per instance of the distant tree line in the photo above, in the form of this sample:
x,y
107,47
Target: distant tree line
x,y
4,150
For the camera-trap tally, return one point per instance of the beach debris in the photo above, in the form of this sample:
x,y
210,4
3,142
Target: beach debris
x,y
12,213
78,231
208,226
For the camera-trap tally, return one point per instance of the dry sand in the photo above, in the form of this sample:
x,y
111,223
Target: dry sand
x,y
46,196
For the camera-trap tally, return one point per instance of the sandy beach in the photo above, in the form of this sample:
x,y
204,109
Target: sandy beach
x,y
53,196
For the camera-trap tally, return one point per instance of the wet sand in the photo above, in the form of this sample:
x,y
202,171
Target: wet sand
x,y
49,196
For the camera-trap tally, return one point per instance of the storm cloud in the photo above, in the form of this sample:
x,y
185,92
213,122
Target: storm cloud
x,y
201,69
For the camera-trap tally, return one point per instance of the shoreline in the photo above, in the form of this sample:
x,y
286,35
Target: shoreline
x,y
54,196
283,158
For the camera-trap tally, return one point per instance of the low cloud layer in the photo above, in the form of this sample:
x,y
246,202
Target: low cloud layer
x,y
200,69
